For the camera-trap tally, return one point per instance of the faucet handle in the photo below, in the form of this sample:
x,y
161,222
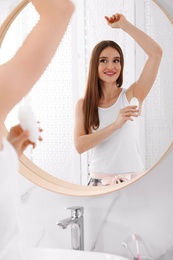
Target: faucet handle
x,y
76,211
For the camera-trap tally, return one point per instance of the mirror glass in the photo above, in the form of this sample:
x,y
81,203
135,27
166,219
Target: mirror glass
x,y
54,96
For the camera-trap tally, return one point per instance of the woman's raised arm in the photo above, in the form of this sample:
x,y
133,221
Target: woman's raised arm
x,y
18,75
143,85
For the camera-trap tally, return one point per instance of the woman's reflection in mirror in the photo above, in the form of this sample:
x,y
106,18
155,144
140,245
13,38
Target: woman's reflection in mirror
x,y
106,124
17,77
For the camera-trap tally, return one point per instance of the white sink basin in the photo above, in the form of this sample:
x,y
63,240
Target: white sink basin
x,y
61,254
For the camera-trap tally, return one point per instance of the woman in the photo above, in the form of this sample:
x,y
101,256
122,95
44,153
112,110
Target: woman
x,y
17,77
105,122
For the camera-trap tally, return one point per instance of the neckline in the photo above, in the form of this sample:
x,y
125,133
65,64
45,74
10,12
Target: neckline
x,y
122,91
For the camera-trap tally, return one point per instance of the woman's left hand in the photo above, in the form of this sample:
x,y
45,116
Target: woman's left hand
x,y
20,139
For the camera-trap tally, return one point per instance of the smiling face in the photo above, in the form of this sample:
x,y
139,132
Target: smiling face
x,y
109,67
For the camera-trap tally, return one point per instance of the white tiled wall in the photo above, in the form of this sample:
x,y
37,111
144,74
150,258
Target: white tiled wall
x,y
144,208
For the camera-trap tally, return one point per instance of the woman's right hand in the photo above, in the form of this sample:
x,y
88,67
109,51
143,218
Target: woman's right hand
x,y
125,114
116,20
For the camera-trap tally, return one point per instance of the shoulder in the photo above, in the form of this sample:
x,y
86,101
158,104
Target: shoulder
x,y
79,103
79,107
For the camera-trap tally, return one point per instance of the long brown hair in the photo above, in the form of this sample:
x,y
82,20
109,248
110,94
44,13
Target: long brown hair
x,y
93,91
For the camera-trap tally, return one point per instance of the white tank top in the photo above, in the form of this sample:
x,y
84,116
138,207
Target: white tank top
x,y
120,153
10,247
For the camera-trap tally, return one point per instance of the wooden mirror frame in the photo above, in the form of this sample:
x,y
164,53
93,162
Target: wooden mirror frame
x,y
41,178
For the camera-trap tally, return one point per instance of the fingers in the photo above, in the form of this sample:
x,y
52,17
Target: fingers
x,y
40,131
112,19
40,137
23,137
128,113
27,141
107,18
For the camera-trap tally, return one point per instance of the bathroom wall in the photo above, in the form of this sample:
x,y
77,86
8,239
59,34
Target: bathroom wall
x,y
144,208
168,6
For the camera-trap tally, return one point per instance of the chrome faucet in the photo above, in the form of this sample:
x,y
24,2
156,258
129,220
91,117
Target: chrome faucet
x,y
77,227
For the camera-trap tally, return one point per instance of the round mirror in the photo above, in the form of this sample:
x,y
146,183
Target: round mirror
x,y
55,164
